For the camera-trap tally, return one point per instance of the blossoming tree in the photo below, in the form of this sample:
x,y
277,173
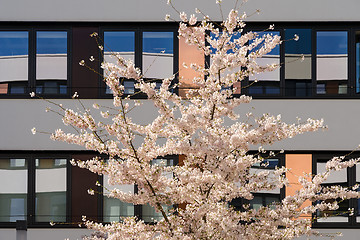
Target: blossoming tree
x,y
193,196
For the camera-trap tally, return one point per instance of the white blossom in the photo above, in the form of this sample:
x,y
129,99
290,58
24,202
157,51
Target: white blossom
x,y
205,130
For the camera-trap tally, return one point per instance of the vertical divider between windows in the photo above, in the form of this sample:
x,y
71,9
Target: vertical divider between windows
x,y
31,191
69,62
68,190
32,61
176,62
137,208
352,63
100,201
313,63
138,49
282,63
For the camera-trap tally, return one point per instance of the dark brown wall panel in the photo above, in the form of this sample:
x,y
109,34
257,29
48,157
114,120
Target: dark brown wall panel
x,y
83,204
84,81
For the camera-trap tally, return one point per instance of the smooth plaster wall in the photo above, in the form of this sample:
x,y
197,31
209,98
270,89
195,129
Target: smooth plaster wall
x,y
155,10
18,116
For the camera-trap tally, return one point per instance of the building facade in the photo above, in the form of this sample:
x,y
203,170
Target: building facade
x,y
42,43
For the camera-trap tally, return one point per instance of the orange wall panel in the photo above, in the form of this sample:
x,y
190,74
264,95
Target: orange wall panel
x,y
188,54
299,164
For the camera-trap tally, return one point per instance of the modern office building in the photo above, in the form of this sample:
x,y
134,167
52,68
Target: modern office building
x,y
42,43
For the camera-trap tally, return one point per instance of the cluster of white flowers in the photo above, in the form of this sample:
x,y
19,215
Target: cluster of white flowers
x,y
215,166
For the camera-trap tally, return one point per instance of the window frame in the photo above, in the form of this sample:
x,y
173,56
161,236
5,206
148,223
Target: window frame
x,y
31,188
32,29
138,209
351,181
139,29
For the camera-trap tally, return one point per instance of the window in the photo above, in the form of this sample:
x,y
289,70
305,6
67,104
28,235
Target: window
x,y
268,82
114,209
14,62
269,197
298,73
36,190
262,198
50,190
331,62
33,60
153,51
13,197
345,178
51,62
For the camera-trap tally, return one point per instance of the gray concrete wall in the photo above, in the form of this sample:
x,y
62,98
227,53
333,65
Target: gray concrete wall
x,y
155,10
18,116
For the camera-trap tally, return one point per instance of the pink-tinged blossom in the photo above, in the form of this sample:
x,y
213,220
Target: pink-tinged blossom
x,y
206,129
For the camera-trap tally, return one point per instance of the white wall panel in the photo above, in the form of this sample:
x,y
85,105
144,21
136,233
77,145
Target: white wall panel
x,y
155,10
18,116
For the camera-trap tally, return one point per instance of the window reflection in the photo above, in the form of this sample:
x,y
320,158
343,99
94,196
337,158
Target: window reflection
x,y
50,190
51,62
297,71
332,62
158,54
269,82
13,61
13,197
119,43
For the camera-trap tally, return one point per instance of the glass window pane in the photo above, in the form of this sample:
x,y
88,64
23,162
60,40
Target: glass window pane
x,y
50,190
14,57
158,54
51,61
268,82
114,209
339,215
150,215
297,71
256,203
335,177
13,197
357,45
332,62
119,42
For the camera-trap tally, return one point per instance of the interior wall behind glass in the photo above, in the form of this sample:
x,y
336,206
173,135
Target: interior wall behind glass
x,y
13,190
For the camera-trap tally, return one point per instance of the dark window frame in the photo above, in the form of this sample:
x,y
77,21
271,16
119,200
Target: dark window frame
x,y
31,81
351,181
31,176
139,29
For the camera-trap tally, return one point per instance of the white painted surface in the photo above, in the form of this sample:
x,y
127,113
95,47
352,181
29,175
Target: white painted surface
x,y
50,180
332,68
17,178
264,62
18,116
155,10
14,68
51,66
